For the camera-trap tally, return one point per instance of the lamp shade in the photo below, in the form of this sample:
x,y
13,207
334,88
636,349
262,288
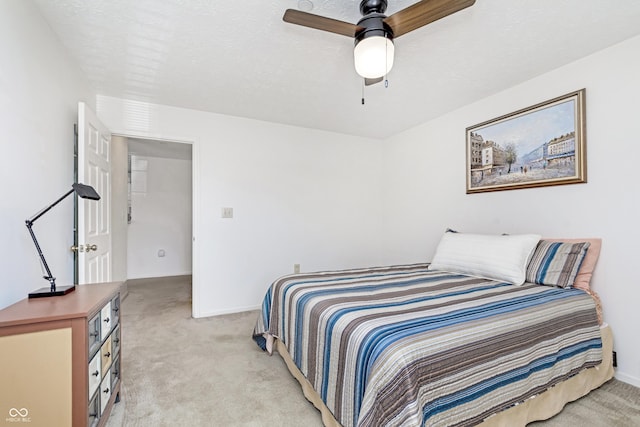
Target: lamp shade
x,y
373,56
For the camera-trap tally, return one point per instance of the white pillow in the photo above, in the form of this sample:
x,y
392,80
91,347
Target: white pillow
x,y
497,257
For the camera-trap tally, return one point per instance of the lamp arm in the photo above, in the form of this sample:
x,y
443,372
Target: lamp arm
x,y
29,223
45,210
49,276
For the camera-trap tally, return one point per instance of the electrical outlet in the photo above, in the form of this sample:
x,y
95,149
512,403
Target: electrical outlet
x,y
296,268
227,212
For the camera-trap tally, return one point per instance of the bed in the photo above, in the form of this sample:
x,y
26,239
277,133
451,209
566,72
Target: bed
x,y
417,345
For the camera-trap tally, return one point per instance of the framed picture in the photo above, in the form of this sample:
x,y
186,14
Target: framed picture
x,y
533,147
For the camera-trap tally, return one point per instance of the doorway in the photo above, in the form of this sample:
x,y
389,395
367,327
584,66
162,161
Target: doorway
x,y
159,209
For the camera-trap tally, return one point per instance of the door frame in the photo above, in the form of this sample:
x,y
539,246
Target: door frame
x,y
75,206
195,307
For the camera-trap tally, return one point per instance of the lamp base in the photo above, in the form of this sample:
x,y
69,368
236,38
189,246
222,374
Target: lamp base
x,y
47,292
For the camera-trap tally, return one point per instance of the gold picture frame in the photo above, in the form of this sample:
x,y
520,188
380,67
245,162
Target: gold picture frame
x,y
541,145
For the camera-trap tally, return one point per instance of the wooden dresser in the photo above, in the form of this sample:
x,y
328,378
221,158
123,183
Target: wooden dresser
x,y
60,358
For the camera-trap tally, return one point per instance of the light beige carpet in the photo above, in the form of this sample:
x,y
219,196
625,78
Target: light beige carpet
x,y
180,371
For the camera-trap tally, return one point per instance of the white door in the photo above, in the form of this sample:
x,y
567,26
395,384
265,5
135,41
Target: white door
x,y
94,218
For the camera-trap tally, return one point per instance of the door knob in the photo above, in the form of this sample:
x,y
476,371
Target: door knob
x,y
84,248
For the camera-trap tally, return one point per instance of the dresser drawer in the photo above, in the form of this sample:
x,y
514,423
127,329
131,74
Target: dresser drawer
x,y
105,324
105,391
115,372
94,334
95,374
115,310
115,341
106,355
94,411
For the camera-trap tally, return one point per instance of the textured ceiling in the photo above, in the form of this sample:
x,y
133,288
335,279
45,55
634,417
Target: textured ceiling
x,y
239,58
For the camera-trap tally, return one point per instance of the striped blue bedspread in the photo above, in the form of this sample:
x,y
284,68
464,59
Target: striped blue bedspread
x,y
402,345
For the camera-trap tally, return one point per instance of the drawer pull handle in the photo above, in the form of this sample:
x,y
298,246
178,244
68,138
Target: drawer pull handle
x,y
106,320
96,373
106,390
107,354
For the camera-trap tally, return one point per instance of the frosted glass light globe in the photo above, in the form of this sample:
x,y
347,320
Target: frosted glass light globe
x,y
373,56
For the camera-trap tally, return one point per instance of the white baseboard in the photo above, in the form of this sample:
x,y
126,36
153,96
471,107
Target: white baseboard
x,y
629,379
229,311
171,276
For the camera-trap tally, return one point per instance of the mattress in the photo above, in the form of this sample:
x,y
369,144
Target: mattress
x,y
404,345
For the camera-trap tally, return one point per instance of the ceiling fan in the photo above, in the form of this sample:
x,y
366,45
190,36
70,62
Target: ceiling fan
x,y
374,33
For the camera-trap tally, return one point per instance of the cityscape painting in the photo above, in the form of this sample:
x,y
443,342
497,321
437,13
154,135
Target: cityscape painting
x,y
537,146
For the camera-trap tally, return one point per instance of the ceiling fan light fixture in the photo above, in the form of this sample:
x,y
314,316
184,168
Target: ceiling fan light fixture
x,y
373,56
374,33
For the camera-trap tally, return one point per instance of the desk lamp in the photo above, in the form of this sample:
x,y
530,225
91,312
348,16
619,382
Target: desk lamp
x,y
83,191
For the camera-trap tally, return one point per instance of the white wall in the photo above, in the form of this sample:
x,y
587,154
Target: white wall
x,y
39,92
161,220
299,196
424,185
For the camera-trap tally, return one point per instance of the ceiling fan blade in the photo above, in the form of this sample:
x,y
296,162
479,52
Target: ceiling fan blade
x,y
422,13
369,82
310,20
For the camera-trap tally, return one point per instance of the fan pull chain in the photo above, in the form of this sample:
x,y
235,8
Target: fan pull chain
x,y
362,91
386,60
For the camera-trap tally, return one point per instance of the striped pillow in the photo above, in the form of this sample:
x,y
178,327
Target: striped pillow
x,y
556,263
